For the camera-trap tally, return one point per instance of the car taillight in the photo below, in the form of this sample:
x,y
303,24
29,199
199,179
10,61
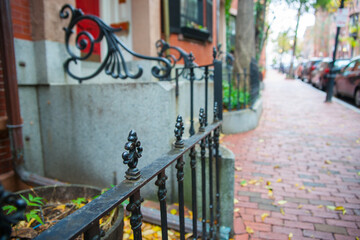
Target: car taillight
x,y
327,70
312,68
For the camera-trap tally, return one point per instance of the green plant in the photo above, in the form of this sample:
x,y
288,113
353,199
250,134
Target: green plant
x,y
244,97
32,201
9,208
79,202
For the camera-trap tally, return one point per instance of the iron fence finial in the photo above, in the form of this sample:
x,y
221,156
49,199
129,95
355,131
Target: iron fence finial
x,y
132,155
191,59
202,119
179,130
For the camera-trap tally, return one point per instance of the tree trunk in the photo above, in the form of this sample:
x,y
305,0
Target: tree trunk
x,y
245,36
291,71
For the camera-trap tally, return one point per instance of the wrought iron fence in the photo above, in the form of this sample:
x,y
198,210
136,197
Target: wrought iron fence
x,y
241,90
85,221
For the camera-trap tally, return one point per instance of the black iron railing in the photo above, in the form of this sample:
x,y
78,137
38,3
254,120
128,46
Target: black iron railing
x,y
241,90
85,221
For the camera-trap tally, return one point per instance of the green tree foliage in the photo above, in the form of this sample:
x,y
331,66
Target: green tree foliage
x,y
283,43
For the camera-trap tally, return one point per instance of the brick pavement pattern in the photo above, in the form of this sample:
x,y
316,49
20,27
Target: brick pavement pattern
x,y
306,154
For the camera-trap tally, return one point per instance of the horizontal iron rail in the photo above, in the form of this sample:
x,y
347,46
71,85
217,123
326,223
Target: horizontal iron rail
x,y
82,219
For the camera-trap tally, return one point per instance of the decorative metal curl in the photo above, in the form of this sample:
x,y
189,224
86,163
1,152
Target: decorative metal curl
x,y
114,62
136,217
202,120
132,155
160,182
179,130
7,198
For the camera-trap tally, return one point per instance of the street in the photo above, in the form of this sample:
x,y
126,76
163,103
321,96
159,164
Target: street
x,y
297,175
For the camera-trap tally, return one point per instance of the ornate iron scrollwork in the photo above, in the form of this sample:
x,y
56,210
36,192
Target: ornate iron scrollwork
x,y
6,221
114,62
164,51
132,155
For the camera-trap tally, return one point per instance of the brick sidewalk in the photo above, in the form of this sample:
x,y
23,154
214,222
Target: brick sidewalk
x,y
308,153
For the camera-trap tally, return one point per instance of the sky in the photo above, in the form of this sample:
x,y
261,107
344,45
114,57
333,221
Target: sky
x,y
285,18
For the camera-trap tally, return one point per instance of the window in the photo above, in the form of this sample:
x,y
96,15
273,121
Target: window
x,y
192,18
191,13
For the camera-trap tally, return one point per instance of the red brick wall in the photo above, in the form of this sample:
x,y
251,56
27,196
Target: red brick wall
x,y
20,13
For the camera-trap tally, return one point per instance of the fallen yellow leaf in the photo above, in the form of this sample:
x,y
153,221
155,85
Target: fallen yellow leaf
x,y
320,206
236,209
328,144
302,187
290,236
331,207
339,208
236,201
344,211
252,181
268,183
282,202
296,185
276,166
328,162
173,211
238,169
263,216
61,207
249,230
357,238
270,193
261,140
188,235
279,180
299,206
282,211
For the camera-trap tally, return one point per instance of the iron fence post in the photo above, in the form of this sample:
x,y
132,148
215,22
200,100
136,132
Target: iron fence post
x,y
218,90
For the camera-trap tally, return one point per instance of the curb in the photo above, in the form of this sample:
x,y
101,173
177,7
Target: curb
x,y
334,99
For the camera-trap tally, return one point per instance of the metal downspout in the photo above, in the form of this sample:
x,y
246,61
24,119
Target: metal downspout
x,y
12,99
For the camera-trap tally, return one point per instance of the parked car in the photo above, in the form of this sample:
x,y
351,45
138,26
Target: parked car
x,y
321,74
347,82
299,70
309,68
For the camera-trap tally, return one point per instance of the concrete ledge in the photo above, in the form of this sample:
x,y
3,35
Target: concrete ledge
x,y
242,120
